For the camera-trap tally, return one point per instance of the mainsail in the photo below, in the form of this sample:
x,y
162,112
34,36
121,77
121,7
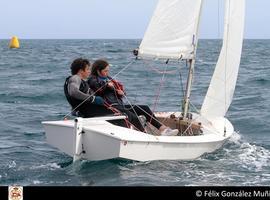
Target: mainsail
x,y
172,32
221,89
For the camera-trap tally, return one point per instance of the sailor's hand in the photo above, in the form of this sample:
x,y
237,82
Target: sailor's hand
x,y
120,92
110,84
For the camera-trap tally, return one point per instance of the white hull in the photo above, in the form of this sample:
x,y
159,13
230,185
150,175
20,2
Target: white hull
x,y
102,140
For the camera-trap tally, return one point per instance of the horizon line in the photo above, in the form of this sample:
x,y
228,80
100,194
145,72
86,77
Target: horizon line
x,y
116,38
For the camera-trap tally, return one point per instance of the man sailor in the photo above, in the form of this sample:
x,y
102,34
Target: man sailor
x,y
78,93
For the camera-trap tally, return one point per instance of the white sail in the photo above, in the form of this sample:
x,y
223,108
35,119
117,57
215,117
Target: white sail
x,y
221,89
172,32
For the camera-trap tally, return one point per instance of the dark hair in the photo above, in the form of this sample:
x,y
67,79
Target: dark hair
x,y
78,64
98,65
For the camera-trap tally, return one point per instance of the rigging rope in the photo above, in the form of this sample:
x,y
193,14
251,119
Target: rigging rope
x,y
192,122
119,112
159,90
141,110
158,71
218,19
197,110
116,111
97,90
181,81
226,54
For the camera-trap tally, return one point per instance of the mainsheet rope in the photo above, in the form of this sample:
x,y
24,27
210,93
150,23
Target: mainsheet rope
x,y
117,111
159,91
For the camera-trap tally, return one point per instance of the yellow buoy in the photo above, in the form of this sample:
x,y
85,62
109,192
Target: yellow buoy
x,y
14,42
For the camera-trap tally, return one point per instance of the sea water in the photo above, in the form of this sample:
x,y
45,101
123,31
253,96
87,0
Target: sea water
x,y
31,91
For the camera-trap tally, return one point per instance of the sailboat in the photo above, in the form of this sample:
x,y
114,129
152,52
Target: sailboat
x,y
172,34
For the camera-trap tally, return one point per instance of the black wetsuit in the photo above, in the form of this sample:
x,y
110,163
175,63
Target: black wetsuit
x,y
112,98
76,91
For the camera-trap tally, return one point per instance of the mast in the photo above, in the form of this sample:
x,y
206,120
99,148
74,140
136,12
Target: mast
x,y
172,34
186,100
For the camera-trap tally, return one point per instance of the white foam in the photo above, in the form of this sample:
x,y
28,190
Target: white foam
x,y
35,182
12,164
254,156
250,156
49,165
235,138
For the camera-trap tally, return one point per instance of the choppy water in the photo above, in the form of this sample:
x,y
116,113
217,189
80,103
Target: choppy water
x,y
31,91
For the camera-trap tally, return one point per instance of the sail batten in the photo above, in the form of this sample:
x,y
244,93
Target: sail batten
x,y
172,29
221,89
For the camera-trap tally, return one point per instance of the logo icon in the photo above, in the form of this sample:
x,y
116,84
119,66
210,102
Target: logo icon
x,y
15,193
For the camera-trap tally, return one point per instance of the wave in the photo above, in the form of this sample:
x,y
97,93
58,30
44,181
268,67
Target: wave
x,y
50,166
252,157
115,50
262,81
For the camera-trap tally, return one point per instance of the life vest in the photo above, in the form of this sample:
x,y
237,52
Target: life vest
x,y
109,95
118,85
71,100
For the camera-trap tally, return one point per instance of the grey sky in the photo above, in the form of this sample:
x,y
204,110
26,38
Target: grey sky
x,y
87,19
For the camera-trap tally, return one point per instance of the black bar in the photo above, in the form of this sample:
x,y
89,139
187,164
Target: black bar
x,y
181,192
3,192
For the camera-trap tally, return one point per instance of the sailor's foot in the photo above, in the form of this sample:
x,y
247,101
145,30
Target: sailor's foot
x,y
169,132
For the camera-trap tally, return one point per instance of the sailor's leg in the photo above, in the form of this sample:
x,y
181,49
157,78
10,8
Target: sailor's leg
x,y
132,117
146,111
92,110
